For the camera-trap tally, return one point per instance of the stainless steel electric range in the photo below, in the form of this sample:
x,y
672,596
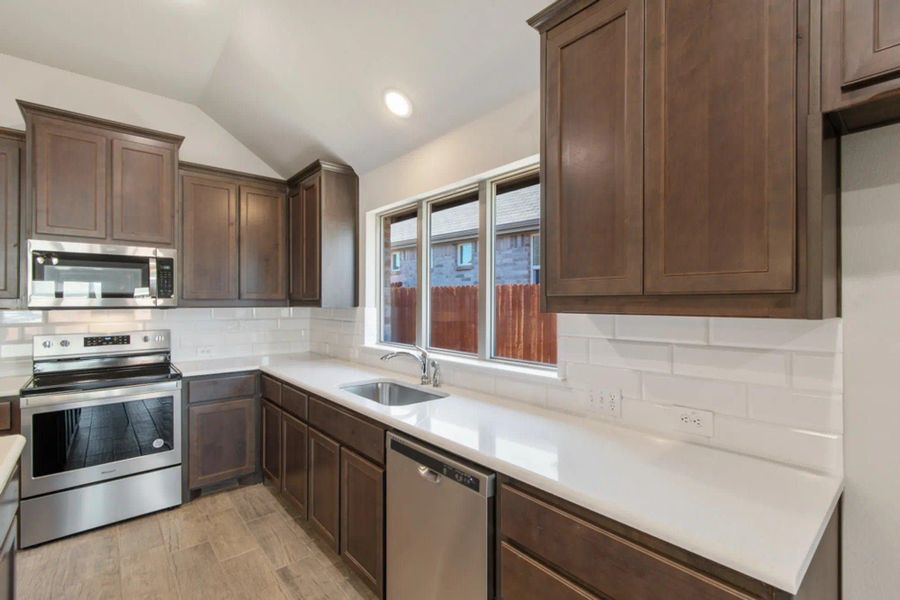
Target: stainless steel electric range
x,y
102,421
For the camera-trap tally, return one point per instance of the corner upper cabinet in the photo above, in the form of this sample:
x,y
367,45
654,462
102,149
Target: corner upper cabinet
x,y
263,234
323,236
11,147
89,179
686,170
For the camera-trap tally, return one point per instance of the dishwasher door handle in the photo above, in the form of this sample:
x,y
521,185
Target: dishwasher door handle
x,y
429,474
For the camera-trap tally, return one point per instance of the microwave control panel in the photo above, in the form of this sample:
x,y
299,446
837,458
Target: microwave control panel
x,y
165,277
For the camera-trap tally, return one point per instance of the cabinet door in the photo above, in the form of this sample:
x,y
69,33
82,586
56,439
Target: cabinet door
x,y
70,179
870,41
263,244
324,486
308,232
8,563
523,578
720,146
209,257
271,442
294,479
221,441
9,210
143,192
593,164
362,517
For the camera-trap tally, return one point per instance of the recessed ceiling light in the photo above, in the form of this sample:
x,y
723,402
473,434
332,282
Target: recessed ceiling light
x,y
398,103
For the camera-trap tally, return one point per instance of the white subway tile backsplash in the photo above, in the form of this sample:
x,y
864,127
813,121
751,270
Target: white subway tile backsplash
x,y
239,312
16,350
593,377
764,367
817,372
818,451
809,410
585,325
785,334
723,397
20,317
631,355
572,349
682,330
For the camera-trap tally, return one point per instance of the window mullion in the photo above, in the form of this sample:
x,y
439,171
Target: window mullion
x,y
422,264
485,272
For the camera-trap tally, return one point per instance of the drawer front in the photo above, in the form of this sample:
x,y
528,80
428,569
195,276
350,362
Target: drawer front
x,y
222,388
294,401
5,415
271,389
364,437
523,578
611,565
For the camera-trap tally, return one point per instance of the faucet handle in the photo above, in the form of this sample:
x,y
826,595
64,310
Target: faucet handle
x,y
435,373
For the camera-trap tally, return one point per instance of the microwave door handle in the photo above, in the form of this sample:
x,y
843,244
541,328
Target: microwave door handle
x,y
153,280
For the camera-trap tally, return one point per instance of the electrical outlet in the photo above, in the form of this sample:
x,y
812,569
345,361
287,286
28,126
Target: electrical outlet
x,y
607,403
692,420
204,351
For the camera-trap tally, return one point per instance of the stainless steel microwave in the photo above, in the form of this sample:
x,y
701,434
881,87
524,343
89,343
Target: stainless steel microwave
x,y
76,275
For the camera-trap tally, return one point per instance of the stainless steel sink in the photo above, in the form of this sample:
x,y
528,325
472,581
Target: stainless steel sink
x,y
391,393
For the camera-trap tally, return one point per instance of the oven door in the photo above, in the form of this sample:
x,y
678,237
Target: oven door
x,y
70,274
79,438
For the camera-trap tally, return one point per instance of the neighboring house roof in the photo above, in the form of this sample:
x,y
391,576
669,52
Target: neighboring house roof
x,y
518,209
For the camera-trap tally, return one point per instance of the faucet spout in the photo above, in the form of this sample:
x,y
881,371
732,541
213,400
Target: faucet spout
x,y
421,357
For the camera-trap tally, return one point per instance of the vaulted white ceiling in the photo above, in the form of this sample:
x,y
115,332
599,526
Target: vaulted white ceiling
x,y
296,80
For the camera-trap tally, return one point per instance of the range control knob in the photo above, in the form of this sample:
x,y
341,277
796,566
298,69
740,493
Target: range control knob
x,y
146,338
46,343
160,338
64,343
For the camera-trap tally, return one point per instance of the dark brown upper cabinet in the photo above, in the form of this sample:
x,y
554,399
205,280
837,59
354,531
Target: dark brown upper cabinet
x,y
861,62
594,203
235,238
92,179
687,168
143,191
209,251
323,226
263,235
11,146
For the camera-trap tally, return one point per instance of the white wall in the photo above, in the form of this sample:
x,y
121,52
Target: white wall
x,y
205,141
871,295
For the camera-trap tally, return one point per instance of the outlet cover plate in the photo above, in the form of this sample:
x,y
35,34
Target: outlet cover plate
x,y
607,403
693,420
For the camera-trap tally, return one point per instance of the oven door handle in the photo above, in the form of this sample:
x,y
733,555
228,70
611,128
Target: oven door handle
x,y
43,403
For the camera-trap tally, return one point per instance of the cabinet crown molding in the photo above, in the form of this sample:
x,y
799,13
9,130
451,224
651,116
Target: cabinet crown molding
x,y
31,109
319,165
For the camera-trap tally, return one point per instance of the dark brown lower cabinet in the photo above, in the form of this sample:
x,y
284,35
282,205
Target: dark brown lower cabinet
x,y
362,517
295,441
523,578
9,506
324,486
221,441
271,442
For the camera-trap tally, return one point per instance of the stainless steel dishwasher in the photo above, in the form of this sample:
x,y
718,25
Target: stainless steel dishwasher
x,y
440,525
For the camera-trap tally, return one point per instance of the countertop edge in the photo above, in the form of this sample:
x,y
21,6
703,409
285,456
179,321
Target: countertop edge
x,y
11,458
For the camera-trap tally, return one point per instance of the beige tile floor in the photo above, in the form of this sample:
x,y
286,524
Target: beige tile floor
x,y
241,543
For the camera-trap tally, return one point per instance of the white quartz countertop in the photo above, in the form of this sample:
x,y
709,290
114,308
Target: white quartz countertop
x,y
10,451
10,386
215,366
761,518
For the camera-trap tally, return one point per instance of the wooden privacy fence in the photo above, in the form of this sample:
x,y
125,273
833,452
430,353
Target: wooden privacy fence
x,y
522,331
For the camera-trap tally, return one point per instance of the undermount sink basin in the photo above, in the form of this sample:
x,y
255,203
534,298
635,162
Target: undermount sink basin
x,y
391,393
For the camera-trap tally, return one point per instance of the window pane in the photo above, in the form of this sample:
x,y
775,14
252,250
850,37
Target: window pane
x,y
454,275
400,278
521,330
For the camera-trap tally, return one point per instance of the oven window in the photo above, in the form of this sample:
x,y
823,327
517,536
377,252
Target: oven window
x,y
77,438
90,276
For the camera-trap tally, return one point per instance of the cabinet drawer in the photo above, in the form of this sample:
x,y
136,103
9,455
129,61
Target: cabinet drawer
x,y
523,578
271,389
222,388
610,564
294,401
364,437
5,415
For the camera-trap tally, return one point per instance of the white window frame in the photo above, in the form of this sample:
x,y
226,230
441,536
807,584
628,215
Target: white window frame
x,y
459,255
486,188
396,259
535,243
